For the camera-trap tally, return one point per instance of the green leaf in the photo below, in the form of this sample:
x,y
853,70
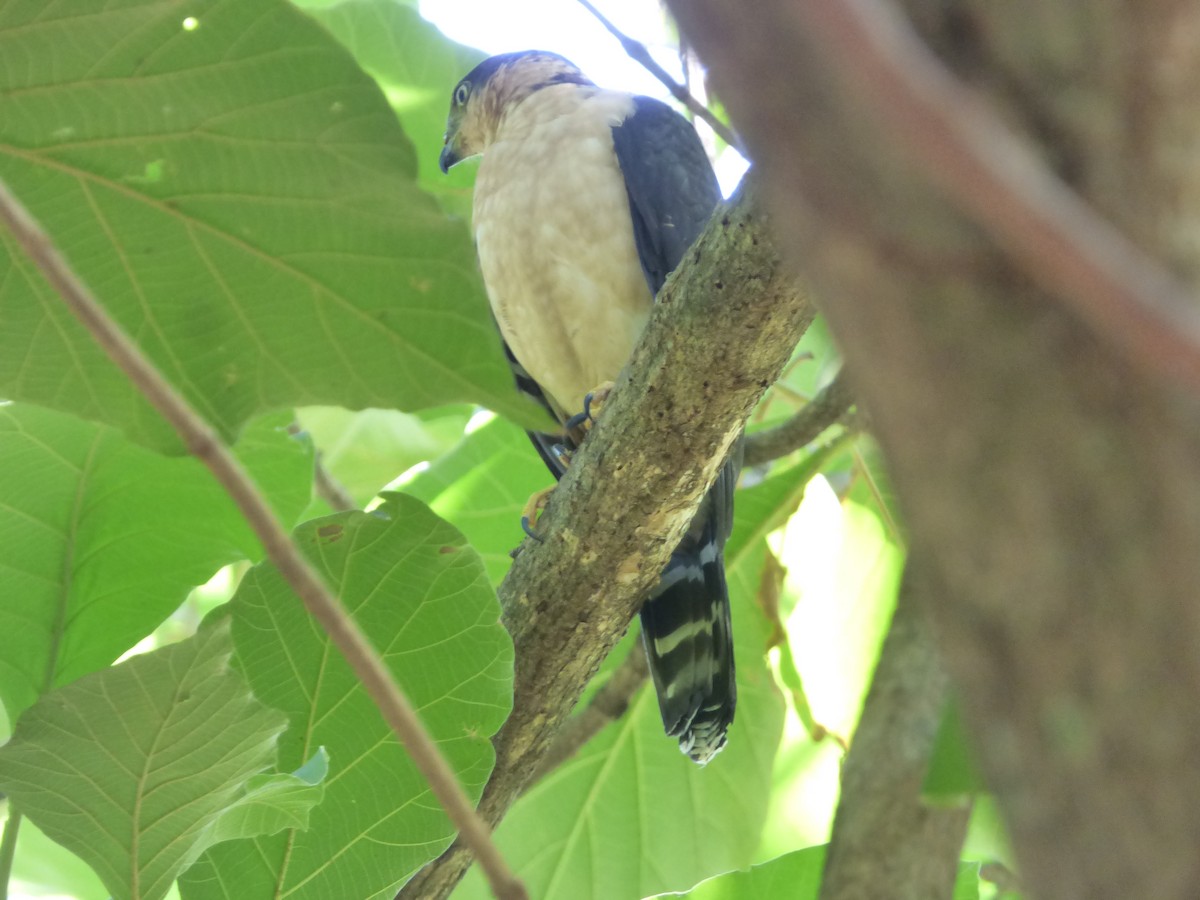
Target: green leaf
x,y
139,768
417,67
101,539
966,885
794,876
482,485
423,598
797,876
237,192
274,802
952,777
630,815
842,560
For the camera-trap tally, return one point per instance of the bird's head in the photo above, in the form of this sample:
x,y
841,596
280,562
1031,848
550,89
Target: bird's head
x,y
488,91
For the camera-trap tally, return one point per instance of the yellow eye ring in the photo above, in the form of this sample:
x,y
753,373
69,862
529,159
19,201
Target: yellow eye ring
x,y
461,93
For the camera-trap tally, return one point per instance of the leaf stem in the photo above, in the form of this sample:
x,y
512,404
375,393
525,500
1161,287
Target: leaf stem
x,y
204,443
8,848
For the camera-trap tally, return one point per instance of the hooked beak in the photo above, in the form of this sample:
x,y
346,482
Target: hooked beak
x,y
449,156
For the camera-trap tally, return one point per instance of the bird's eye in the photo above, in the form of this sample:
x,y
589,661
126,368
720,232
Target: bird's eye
x,y
461,93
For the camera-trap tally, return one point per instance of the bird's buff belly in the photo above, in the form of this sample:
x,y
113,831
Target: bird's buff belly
x,y
552,225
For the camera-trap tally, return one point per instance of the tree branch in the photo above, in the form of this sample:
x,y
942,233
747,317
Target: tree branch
x,y
607,705
886,841
825,409
995,177
1049,480
724,326
281,550
638,53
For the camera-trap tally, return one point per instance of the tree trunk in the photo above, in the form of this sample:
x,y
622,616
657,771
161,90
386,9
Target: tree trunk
x,y
1050,478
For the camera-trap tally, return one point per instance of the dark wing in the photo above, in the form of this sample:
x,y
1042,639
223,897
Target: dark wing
x,y
543,442
671,186
685,624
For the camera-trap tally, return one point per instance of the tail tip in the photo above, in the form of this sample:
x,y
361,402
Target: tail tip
x,y
701,741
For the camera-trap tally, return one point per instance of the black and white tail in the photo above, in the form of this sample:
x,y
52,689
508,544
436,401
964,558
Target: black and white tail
x,y
687,632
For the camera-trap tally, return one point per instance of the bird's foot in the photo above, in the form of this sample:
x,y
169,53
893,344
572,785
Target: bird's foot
x,y
593,402
533,508
537,500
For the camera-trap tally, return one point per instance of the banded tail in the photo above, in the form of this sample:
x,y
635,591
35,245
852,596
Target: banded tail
x,y
687,632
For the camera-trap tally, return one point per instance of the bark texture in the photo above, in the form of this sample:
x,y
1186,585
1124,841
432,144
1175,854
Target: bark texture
x,y
1051,481
725,324
886,841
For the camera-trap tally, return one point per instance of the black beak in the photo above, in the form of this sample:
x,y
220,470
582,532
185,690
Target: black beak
x,y
447,159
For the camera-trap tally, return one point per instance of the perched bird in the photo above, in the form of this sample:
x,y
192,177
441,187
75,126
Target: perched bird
x,y
585,201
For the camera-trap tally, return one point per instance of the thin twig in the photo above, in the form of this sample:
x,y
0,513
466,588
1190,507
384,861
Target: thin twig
x,y
638,53
995,177
607,705
8,848
822,411
203,442
328,488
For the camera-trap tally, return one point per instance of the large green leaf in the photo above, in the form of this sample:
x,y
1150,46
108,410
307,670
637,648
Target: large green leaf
x,y
101,539
629,815
423,598
417,67
482,485
139,768
238,193
797,876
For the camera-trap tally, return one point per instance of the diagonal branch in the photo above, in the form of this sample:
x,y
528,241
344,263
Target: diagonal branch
x,y
724,327
609,704
203,443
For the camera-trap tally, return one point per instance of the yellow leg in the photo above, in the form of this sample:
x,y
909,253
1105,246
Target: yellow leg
x,y
533,508
593,402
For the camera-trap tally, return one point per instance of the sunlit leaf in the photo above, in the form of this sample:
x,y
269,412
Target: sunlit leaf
x,y
100,539
238,193
845,568
417,67
793,876
481,486
423,598
139,768
797,876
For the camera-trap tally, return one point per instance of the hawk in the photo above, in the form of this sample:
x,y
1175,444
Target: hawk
x,y
585,200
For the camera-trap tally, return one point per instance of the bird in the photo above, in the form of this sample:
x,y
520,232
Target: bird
x,y
585,200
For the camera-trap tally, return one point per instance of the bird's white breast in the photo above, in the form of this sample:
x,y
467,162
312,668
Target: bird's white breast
x,y
555,241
